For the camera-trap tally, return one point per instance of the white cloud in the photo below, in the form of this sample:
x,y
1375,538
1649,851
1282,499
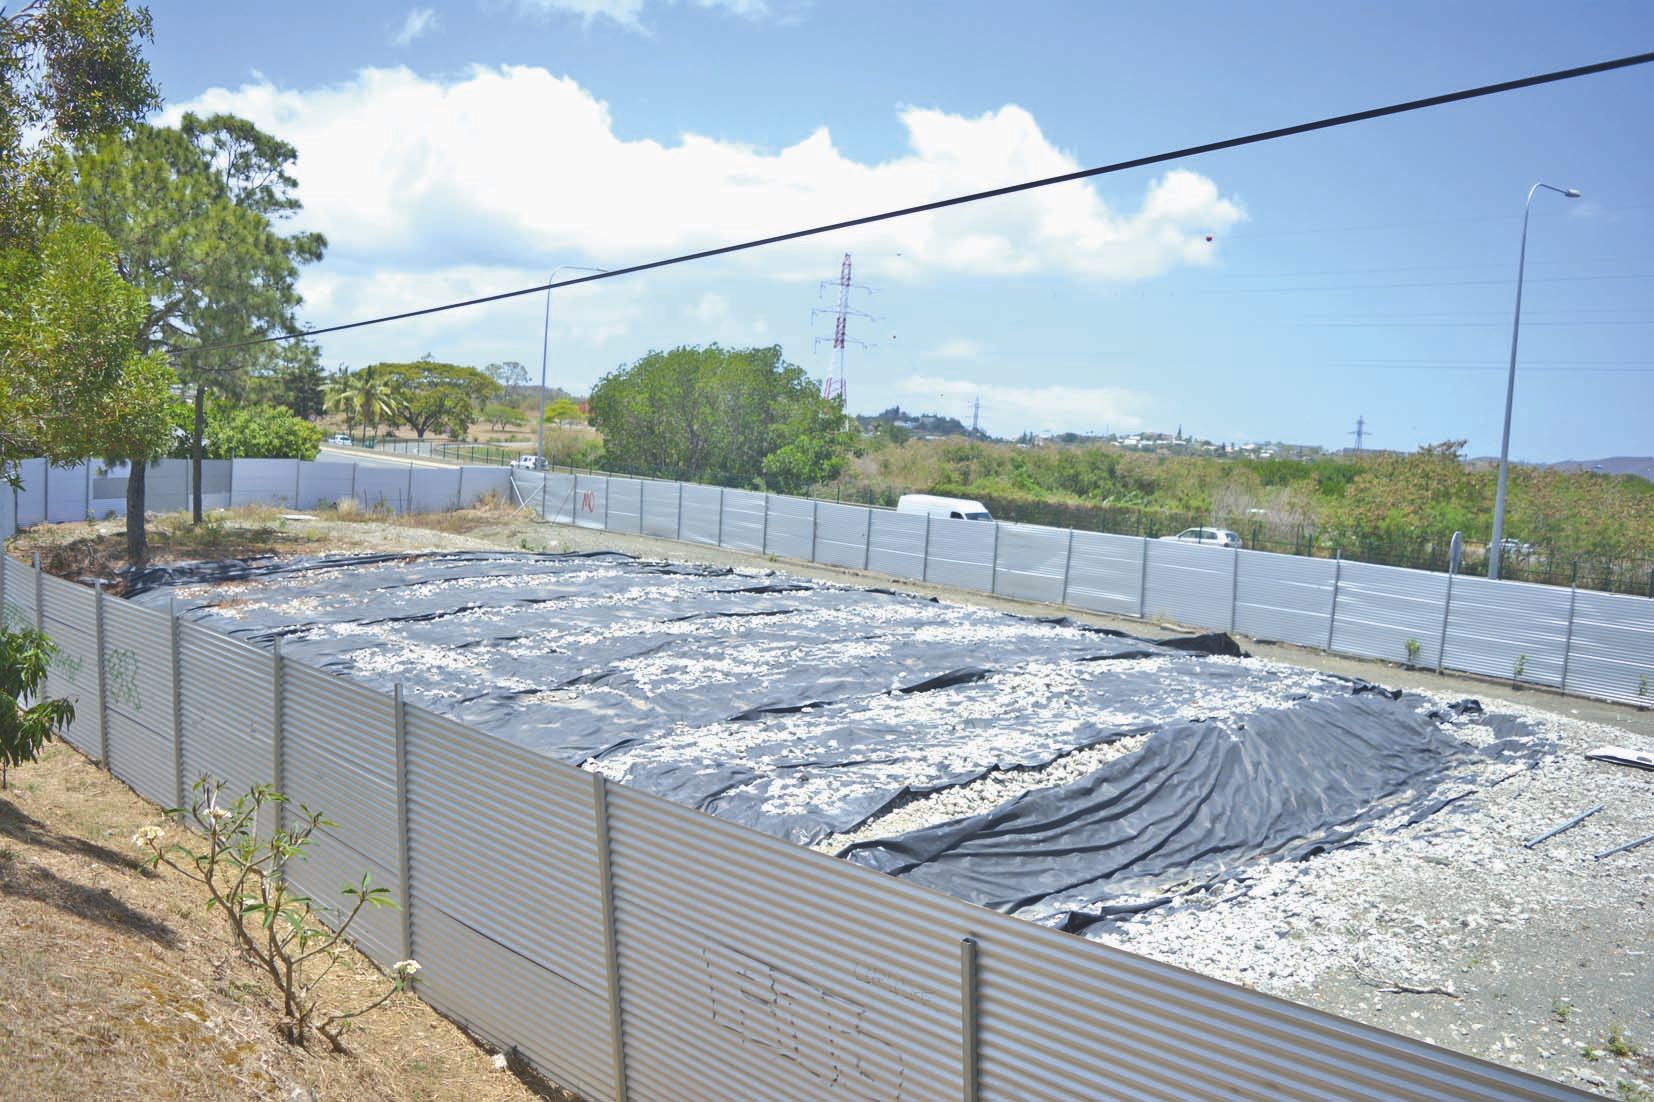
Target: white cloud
x,y
418,23
512,167
956,350
717,323
1015,409
628,12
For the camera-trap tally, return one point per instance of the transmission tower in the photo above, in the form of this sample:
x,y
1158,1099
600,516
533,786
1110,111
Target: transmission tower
x,y
1360,433
833,385
976,416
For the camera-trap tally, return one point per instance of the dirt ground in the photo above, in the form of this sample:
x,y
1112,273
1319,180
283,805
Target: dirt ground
x,y
1450,930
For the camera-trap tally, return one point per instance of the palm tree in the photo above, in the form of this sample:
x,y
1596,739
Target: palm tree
x,y
338,397
362,396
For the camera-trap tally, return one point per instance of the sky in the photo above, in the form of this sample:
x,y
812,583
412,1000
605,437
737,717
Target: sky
x,y
1273,293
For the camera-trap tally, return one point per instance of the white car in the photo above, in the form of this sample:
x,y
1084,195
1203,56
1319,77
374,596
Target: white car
x,y
1217,537
529,462
340,440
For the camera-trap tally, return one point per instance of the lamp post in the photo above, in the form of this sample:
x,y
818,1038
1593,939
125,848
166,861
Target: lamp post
x,y
1497,546
545,350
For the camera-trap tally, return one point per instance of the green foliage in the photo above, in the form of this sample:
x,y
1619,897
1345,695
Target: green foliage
x,y
507,374
241,870
24,655
69,69
72,382
562,411
427,395
718,415
1412,646
498,416
251,432
295,381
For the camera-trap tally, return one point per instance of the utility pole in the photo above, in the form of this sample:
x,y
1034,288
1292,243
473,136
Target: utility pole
x,y
195,453
976,416
834,385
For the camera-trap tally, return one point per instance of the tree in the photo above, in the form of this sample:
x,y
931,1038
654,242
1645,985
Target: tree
x,y
72,381
508,374
498,416
295,381
193,213
69,70
362,396
715,414
428,395
564,409
255,432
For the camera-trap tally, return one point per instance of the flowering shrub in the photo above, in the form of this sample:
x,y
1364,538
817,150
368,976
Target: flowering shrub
x,y
273,925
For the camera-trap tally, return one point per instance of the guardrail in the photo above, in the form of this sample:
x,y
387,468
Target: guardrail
x,y
630,948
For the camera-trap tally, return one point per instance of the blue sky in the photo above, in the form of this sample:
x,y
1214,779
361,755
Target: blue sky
x,y
455,149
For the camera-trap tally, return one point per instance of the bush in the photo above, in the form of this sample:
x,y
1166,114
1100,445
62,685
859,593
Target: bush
x,y
24,655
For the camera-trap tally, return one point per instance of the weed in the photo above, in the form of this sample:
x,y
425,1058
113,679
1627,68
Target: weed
x,y
1520,668
1627,1091
1592,1055
1561,1009
1412,646
1617,1045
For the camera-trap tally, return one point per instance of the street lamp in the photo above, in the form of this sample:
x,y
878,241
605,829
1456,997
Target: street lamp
x,y
545,349
1497,546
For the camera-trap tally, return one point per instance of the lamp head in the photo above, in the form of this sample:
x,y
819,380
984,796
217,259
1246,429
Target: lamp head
x,y
1572,193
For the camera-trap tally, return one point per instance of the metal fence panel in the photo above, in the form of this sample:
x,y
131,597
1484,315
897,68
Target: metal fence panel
x,y
264,481
137,649
625,505
1188,583
8,512
1612,652
70,619
559,503
769,950
507,918
31,498
661,505
352,782
1379,608
477,483
166,487
68,493
897,545
1105,572
1062,1018
325,483
18,609
227,695
702,513
591,494
435,490
961,553
1283,598
382,489
743,523
1493,626
1031,562
790,530
841,534
216,478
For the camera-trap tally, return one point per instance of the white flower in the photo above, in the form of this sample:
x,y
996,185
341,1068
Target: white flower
x,y
405,967
218,814
147,836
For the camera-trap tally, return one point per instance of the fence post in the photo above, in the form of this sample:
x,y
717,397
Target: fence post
x,y
611,946
680,512
967,1019
1447,611
1234,590
1568,640
764,531
924,558
1332,611
103,695
993,563
1067,565
1143,582
278,733
408,509
39,598
177,708
815,526
867,542
608,491
298,477
353,466
720,537
404,863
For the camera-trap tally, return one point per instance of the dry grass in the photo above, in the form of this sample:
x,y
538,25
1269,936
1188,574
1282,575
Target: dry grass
x,y
115,982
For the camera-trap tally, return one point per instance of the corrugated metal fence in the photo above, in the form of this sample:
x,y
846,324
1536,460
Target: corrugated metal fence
x,y
631,948
1579,641
89,490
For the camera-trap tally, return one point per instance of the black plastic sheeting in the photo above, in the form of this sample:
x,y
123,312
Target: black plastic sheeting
x,y
1198,801
805,709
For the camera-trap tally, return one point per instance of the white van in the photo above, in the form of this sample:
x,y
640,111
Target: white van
x,y
956,508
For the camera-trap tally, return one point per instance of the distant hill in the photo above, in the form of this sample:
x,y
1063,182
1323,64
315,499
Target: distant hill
x,y
1639,465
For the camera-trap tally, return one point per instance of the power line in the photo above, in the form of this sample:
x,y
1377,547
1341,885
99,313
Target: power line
x,y
992,193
